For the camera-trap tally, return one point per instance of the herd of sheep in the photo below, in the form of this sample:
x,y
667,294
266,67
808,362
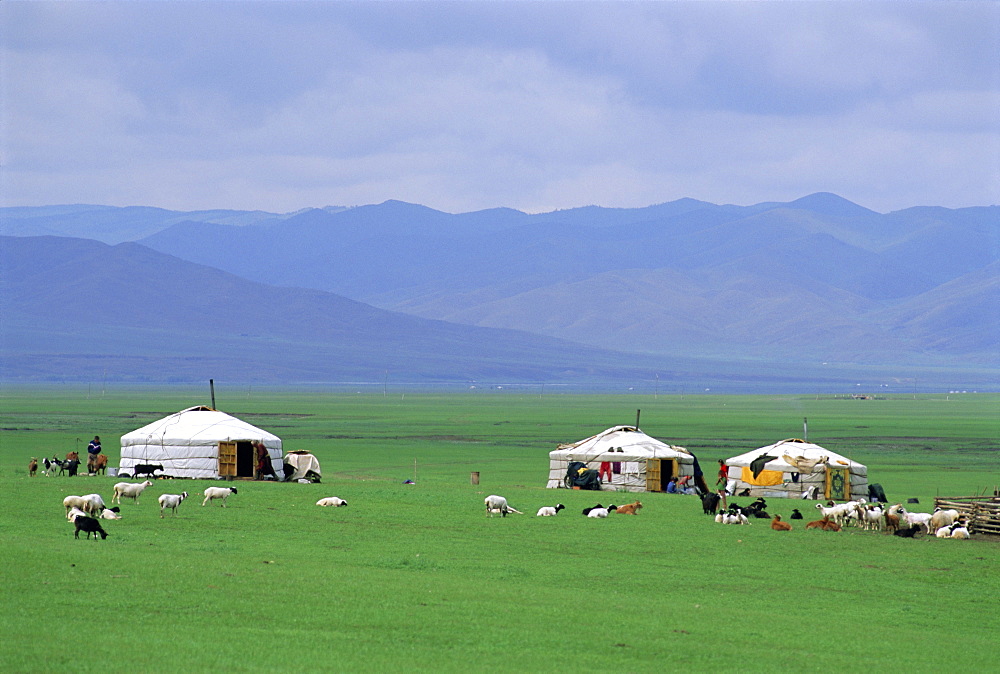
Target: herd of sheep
x,y
833,517
87,511
894,519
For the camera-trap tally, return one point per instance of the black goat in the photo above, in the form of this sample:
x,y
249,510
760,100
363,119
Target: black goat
x,y
146,469
757,509
71,466
796,515
909,532
710,503
90,525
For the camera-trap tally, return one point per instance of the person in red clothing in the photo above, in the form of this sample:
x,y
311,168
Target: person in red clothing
x,y
263,460
605,468
723,474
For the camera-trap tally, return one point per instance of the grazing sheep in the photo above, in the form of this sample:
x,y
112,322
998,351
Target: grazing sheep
x,y
171,501
96,504
496,504
90,525
223,493
778,525
129,490
80,502
32,467
146,469
549,511
602,512
331,501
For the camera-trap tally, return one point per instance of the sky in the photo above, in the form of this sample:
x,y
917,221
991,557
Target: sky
x,y
462,106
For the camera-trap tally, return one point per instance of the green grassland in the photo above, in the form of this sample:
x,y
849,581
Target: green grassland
x,y
416,577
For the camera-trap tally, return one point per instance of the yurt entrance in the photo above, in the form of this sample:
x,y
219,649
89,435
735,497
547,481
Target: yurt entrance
x,y
236,459
659,472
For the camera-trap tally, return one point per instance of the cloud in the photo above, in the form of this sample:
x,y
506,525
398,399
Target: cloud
x,y
463,106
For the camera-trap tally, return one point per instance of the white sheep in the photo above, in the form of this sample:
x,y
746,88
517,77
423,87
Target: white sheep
x,y
223,493
838,513
496,504
871,517
129,490
71,502
109,514
171,501
75,512
943,518
549,511
959,530
331,501
923,519
96,504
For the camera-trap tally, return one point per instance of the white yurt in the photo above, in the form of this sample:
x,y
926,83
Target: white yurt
x,y
796,468
199,442
638,462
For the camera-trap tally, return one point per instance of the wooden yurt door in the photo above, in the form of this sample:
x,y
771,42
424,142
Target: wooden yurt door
x,y
659,472
227,459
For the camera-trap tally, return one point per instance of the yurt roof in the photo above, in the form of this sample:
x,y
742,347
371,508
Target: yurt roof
x,y
800,452
620,443
199,426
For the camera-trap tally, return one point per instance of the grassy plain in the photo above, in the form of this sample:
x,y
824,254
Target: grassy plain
x,y
416,577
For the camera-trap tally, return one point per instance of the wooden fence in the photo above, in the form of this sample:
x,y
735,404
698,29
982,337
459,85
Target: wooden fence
x,y
983,511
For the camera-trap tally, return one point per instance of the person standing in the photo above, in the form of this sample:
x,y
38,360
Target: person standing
x,y
723,474
605,470
94,448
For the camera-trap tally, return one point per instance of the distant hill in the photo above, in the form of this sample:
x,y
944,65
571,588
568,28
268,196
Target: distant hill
x,y
817,278
73,308
722,289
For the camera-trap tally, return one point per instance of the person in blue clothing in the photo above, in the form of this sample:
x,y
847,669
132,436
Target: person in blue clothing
x,y
94,448
672,486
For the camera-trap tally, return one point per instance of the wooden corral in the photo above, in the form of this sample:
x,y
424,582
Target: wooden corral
x,y
983,511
